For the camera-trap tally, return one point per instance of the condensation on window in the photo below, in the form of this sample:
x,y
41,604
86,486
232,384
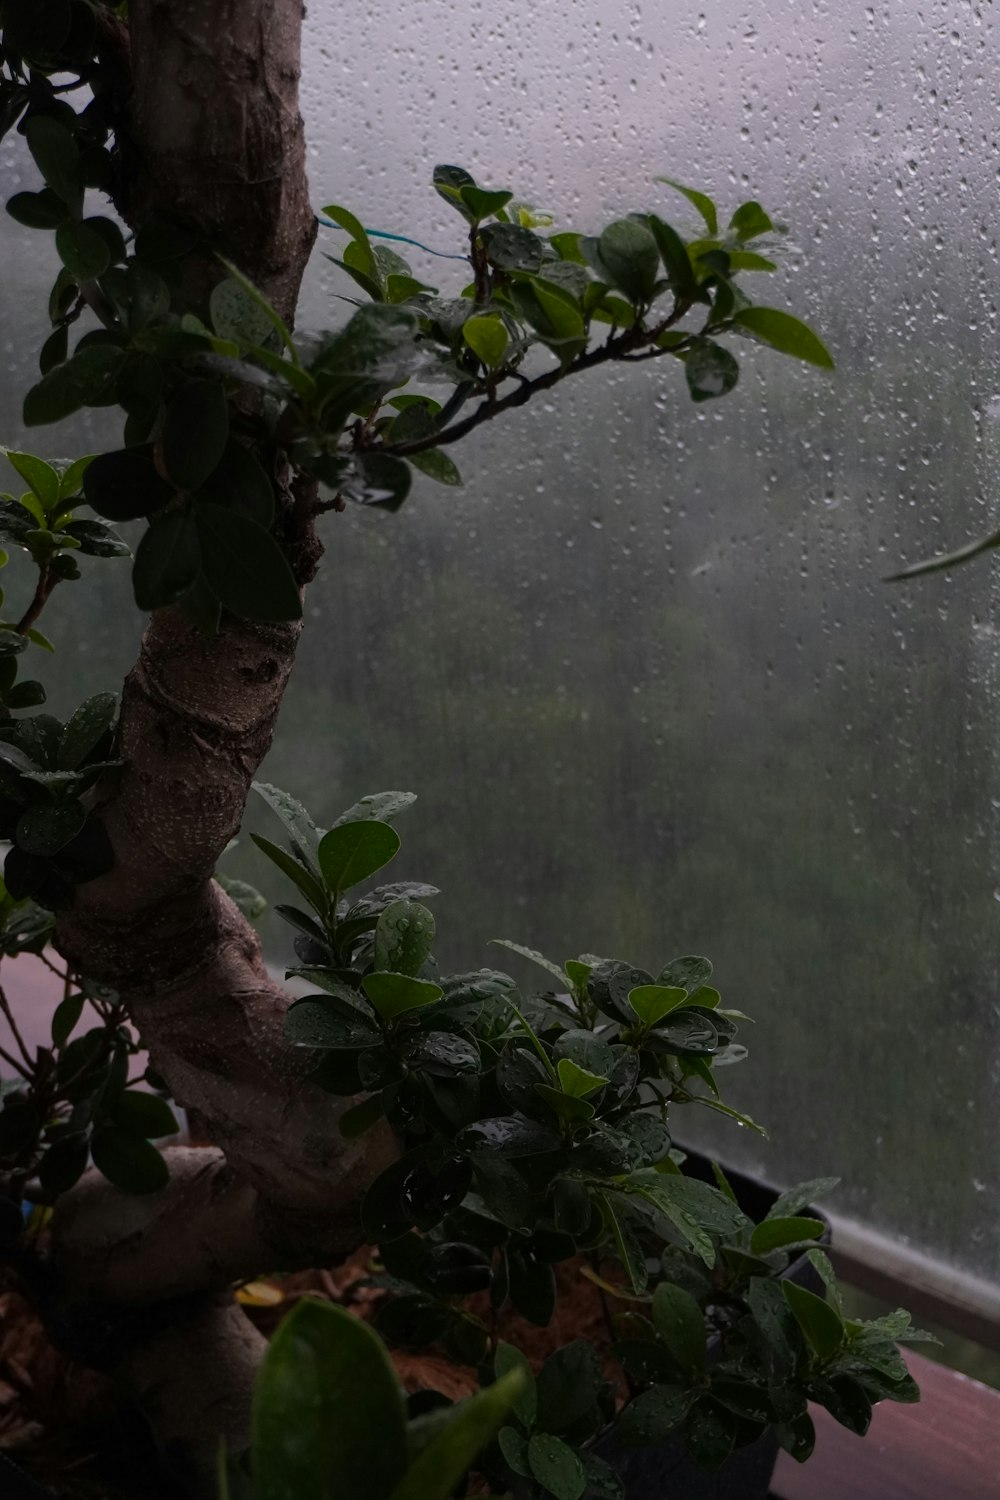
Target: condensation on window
x,y
642,669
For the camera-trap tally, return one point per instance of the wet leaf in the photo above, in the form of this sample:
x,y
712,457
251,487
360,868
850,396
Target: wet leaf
x,y
326,1402
167,561
128,1160
195,432
555,1465
125,484
245,567
351,852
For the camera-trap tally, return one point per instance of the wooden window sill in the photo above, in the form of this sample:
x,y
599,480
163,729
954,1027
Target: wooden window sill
x,y
945,1448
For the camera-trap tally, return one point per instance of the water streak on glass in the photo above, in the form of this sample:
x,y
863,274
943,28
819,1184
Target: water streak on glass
x,y
642,669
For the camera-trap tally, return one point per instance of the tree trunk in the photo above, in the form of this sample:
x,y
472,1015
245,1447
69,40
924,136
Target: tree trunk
x,y
211,135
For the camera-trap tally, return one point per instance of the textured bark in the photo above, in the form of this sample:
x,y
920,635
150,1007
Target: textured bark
x,y
218,134
193,1379
212,137
197,716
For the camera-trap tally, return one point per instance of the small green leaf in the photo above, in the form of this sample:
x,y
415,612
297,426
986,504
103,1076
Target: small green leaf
x,y
246,898
487,337
346,220
239,482
651,1002
578,1082
328,1022
403,937
710,1434
507,1135
85,729
128,1160
781,331
80,381
508,1357
569,1386
697,1210
350,852
514,1447
565,1105
676,261
379,479
510,247
680,1323
796,1198
469,1426
448,184
44,210
167,560
533,955
238,316
64,1018
556,1466
711,371
772,1315
296,872
701,201
629,252
436,464
749,221
64,1163
559,308
293,815
327,1409
125,484
689,972
626,1244
144,1114
245,567
393,994
82,250
195,432
797,1436
265,307
42,477
772,1234
748,260
55,153
820,1322
483,203
48,827
846,1400
71,478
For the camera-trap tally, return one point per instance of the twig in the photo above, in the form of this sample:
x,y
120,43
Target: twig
x,y
47,581
59,973
616,347
595,1265
14,1029
13,1062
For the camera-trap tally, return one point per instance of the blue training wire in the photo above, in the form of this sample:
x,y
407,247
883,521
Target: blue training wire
x,y
383,234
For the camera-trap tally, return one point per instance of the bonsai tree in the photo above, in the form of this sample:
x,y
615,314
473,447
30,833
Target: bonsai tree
x,y
170,168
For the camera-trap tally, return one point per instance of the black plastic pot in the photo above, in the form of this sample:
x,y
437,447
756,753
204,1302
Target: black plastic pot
x,y
667,1472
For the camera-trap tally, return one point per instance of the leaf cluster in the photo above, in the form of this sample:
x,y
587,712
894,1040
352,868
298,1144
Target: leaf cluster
x,y
46,769
536,1130
216,389
77,1103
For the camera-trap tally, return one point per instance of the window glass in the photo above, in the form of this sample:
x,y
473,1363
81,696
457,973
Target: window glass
x,y
642,669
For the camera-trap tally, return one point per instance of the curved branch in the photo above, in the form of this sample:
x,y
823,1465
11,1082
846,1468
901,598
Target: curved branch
x,y
618,347
198,714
